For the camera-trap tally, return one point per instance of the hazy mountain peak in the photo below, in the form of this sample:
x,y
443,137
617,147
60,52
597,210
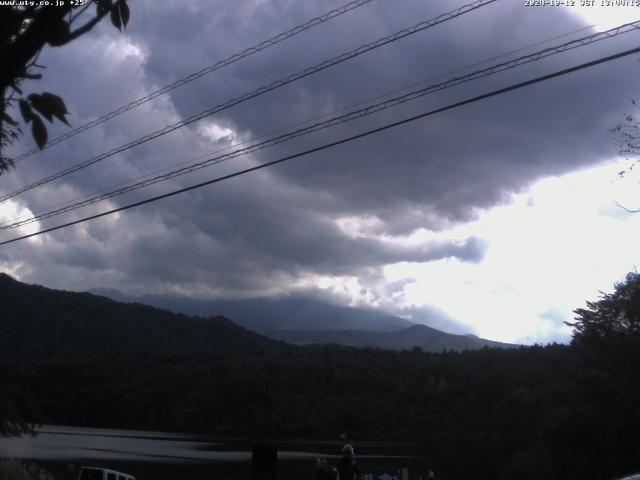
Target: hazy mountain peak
x,y
294,312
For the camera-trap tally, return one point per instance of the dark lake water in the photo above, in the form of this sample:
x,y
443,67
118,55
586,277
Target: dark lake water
x,y
163,456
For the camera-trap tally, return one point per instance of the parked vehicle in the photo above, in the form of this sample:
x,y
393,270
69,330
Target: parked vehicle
x,y
97,473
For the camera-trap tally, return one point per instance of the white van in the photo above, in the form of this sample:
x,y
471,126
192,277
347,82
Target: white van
x,y
96,473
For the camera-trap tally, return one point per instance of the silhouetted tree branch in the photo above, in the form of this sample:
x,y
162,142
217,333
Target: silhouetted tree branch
x,y
24,32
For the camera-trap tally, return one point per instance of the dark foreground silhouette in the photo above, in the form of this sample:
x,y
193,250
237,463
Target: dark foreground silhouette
x,y
560,411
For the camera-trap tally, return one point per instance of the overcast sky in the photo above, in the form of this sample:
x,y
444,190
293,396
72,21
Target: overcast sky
x,y
496,218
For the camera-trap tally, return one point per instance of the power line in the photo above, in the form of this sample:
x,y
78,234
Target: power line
x,y
339,142
205,71
390,103
297,124
260,91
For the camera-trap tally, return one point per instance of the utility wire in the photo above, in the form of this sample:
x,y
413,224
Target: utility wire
x,y
205,71
260,91
339,142
390,103
297,124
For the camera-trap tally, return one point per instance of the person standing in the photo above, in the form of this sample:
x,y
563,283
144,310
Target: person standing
x,y
347,467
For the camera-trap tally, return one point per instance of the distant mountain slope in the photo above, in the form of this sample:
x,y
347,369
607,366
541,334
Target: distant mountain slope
x,y
264,314
41,323
429,339
302,321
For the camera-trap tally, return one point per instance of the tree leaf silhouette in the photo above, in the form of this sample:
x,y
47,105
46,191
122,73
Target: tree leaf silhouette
x,y
125,13
39,131
59,33
25,110
49,105
40,106
115,18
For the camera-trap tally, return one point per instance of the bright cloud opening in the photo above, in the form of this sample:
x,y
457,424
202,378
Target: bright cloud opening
x,y
606,14
12,211
550,250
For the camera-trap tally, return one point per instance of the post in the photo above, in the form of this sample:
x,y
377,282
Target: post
x,y
264,462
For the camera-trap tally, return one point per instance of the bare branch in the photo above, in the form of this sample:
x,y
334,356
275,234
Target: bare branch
x,y
82,10
87,27
626,209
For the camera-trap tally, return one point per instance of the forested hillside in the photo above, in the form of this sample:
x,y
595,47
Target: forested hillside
x,y
559,411
40,323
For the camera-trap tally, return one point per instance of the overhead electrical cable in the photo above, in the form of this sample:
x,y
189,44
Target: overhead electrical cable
x,y
351,138
369,110
205,71
297,124
260,91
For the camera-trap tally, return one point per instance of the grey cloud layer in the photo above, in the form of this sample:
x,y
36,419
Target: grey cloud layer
x,y
260,234
472,157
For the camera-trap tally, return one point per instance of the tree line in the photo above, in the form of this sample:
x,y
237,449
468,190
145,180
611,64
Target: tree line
x,y
556,411
563,409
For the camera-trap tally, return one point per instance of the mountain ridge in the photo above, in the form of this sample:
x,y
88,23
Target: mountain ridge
x,y
40,323
427,338
268,314
305,321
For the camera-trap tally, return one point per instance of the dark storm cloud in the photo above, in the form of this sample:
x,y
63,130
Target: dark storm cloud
x,y
241,246
445,165
261,233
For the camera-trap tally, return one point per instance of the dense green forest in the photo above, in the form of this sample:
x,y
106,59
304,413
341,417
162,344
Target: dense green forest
x,y
558,411
553,410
